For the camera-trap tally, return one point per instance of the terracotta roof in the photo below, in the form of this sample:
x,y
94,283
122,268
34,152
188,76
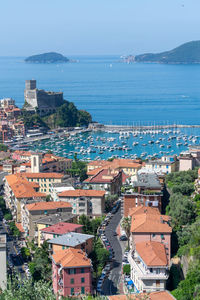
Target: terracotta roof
x,y
103,176
22,188
71,258
23,153
43,175
153,254
98,163
47,205
61,228
160,295
19,227
149,223
82,193
143,210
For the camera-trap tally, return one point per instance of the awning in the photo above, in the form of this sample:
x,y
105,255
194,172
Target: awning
x,y
130,282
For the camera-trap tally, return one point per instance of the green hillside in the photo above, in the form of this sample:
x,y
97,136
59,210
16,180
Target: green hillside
x,y
188,53
50,57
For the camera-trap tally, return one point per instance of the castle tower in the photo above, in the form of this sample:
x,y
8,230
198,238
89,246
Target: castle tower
x,y
36,163
30,84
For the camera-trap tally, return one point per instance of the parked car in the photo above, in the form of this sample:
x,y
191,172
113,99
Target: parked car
x,y
123,238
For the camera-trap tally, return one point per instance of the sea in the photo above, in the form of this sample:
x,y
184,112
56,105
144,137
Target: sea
x,y
115,93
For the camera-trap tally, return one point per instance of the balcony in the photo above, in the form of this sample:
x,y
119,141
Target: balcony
x,y
143,274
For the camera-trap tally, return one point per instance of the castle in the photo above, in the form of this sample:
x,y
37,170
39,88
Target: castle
x,y
44,102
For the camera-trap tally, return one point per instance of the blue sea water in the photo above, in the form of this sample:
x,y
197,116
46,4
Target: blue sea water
x,y
113,92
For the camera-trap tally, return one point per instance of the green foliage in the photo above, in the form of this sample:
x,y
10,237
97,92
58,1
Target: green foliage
x,y
40,266
5,211
50,57
127,269
31,120
79,168
109,202
26,254
8,216
126,225
26,289
90,226
188,53
182,211
3,147
14,230
67,115
188,289
182,182
99,257
174,277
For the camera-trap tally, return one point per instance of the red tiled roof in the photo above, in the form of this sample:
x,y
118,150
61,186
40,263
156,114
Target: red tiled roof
x,y
19,227
152,253
71,257
82,193
61,228
103,176
149,223
43,175
47,205
159,295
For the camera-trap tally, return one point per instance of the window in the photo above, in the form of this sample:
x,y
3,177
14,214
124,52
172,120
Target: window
x,y
72,271
72,281
44,190
54,235
82,280
45,179
34,162
45,212
63,247
82,290
157,283
72,291
82,270
162,236
153,235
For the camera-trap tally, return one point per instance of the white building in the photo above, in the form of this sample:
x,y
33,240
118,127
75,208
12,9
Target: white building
x,y
149,266
3,262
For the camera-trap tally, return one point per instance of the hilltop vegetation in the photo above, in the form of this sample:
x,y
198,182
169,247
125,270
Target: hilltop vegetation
x,y
66,115
184,209
47,58
188,53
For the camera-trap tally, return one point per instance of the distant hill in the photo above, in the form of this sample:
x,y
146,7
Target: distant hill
x,y
47,58
188,53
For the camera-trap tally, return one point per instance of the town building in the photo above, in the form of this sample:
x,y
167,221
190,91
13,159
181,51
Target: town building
x,y
3,262
58,229
190,159
34,211
165,165
45,102
105,180
52,219
18,192
149,266
151,226
71,273
87,202
73,240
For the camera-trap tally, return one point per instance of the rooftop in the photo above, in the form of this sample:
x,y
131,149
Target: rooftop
x,y
147,180
150,223
55,218
143,210
82,193
47,205
71,258
61,228
103,176
43,175
71,239
159,295
153,254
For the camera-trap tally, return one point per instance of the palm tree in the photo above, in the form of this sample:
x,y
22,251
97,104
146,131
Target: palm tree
x,y
126,225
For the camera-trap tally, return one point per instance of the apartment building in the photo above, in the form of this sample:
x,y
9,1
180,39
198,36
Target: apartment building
x,y
165,165
71,273
51,219
73,240
18,192
58,229
106,180
34,211
149,266
87,202
3,262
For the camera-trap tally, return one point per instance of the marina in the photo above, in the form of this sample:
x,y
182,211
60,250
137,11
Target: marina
x,y
143,143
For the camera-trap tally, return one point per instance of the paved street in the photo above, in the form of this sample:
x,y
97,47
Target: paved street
x,y
110,284
11,249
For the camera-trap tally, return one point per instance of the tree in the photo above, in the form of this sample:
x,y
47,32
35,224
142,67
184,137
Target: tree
x,y
127,269
3,147
126,225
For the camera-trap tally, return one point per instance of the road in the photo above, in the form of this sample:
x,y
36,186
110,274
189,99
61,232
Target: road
x,y
110,284
11,249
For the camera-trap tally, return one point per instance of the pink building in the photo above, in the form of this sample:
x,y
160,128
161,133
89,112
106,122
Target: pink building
x,y
153,227
71,273
59,229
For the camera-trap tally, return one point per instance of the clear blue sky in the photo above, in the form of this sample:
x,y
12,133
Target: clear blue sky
x,y
75,27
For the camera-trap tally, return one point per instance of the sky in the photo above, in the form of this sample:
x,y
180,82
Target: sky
x,y
92,27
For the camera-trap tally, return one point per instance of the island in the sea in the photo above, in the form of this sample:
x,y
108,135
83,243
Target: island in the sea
x,y
47,58
188,53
